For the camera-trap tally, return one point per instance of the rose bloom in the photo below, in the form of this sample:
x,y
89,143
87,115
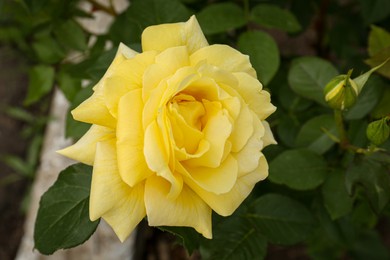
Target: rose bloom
x,y
177,131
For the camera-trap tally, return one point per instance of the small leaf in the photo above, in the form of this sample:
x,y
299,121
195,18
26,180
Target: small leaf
x,y
263,53
374,10
48,50
378,59
218,18
367,99
375,180
41,79
272,16
190,239
378,40
362,79
298,169
314,134
336,198
71,35
63,216
69,84
379,131
281,220
151,12
308,77
234,238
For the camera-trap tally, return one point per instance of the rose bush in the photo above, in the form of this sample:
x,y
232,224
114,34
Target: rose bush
x,y
177,131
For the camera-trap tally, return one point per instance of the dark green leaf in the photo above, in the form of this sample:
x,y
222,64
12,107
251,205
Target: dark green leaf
x,y
374,178
336,198
41,79
151,12
272,16
234,238
69,84
288,129
71,35
188,236
378,40
314,134
63,216
281,220
367,99
263,53
378,59
48,50
369,245
218,18
298,169
374,10
308,77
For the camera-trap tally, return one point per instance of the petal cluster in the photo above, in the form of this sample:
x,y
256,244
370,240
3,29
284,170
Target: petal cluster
x,y
177,132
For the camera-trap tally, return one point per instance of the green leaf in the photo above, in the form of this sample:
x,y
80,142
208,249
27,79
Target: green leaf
x,y
48,50
314,134
63,216
378,131
362,79
71,35
272,16
218,18
41,79
383,107
374,10
378,40
379,58
336,198
151,12
234,238
281,220
69,84
288,129
367,99
263,53
375,180
369,245
190,239
77,129
298,169
308,77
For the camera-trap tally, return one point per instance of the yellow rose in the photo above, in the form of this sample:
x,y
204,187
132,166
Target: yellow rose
x,y
177,131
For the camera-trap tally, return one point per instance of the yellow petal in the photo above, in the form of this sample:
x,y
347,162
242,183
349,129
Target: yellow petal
x,y
225,204
164,36
251,91
268,137
224,57
94,111
130,139
121,206
217,129
248,156
85,148
186,210
124,78
125,51
217,180
157,158
166,64
243,129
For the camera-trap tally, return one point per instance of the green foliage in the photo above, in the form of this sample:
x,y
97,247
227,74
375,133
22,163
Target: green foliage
x,y
272,16
263,53
328,186
218,18
63,216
